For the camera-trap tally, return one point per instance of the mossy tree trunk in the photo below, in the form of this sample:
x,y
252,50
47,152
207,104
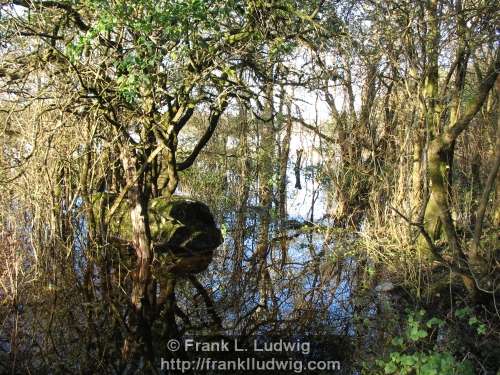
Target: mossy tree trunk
x,y
430,107
438,223
440,157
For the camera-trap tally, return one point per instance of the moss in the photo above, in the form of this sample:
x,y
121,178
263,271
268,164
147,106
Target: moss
x,y
183,231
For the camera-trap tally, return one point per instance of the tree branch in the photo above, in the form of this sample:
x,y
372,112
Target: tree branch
x,y
483,203
452,133
208,301
77,18
213,122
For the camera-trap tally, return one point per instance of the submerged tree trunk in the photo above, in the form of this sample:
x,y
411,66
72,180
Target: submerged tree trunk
x,y
139,342
265,189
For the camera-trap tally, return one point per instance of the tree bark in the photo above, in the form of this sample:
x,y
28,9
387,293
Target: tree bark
x,y
139,341
440,157
284,156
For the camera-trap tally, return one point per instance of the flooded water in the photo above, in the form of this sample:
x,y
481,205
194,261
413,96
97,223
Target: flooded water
x,y
305,281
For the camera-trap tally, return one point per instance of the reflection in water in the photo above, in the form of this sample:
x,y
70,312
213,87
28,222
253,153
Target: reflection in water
x,y
308,278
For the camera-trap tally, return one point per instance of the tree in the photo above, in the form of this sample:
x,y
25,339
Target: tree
x,y
143,69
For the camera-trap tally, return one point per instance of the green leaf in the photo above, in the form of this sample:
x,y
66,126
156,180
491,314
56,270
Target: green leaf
x,y
390,368
481,330
461,313
397,341
473,320
395,356
408,360
435,322
415,333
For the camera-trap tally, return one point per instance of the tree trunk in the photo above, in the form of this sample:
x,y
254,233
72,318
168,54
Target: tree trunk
x,y
243,194
282,184
266,153
440,159
139,342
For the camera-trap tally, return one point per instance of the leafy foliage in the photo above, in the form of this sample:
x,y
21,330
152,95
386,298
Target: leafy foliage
x,y
414,353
